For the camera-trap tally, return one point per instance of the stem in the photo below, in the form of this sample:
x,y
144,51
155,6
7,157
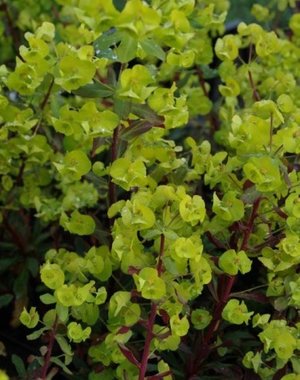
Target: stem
x,y
211,117
43,104
47,357
18,240
47,95
271,131
151,320
250,225
148,341
112,191
216,242
12,31
255,94
203,345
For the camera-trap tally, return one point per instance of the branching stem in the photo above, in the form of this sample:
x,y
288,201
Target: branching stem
x,y
151,320
203,348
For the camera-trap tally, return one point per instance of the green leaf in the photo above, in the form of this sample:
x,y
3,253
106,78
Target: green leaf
x,y
152,48
47,299
236,312
19,364
52,275
126,51
58,362
95,90
78,163
36,334
62,312
63,344
200,318
5,299
29,319
149,284
122,108
80,224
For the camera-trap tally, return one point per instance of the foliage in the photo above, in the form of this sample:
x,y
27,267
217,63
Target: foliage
x,y
150,189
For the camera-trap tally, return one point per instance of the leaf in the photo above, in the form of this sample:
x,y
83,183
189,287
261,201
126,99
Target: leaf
x,y
47,299
36,334
58,362
62,312
119,4
6,263
33,266
136,129
80,224
95,90
122,108
129,355
20,284
107,39
254,296
208,73
126,51
152,48
63,344
19,364
145,112
5,299
159,376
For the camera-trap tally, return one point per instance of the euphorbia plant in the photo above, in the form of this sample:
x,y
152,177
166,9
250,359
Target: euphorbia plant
x,y
173,218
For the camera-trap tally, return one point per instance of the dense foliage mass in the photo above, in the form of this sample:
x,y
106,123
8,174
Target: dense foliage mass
x,y
150,198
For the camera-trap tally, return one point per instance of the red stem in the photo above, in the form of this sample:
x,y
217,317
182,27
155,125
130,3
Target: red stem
x,y
203,345
211,117
18,240
47,357
250,224
151,320
148,341
112,191
12,31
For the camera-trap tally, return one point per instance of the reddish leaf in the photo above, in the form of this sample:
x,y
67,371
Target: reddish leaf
x,y
129,355
254,296
159,376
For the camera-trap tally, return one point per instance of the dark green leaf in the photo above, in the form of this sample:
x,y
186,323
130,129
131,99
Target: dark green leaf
x,y
136,129
5,263
20,284
107,53
145,112
5,299
19,364
32,265
208,73
122,108
152,48
106,40
95,90
119,4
